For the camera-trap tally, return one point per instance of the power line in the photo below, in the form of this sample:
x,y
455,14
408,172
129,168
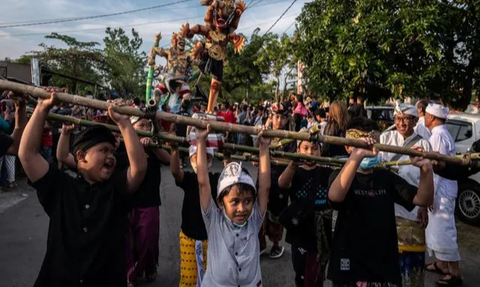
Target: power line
x,y
289,27
92,17
256,3
103,28
126,26
68,18
279,18
264,23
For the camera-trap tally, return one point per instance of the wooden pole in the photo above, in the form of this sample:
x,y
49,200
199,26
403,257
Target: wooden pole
x,y
220,126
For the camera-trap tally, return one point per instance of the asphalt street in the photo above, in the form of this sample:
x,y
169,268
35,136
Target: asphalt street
x,y
24,225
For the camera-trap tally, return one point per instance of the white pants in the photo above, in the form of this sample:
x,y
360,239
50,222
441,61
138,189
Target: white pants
x,y
441,230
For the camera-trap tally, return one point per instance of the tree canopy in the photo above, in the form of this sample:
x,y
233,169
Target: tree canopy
x,y
382,48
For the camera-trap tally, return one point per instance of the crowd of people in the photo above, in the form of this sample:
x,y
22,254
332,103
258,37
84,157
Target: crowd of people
x,y
355,225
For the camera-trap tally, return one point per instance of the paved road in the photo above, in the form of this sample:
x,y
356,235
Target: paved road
x,y
23,230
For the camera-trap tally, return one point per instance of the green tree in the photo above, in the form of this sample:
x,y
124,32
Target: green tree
x,y
79,60
277,57
381,49
124,62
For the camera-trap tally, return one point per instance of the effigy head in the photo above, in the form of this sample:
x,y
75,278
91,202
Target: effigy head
x,y
178,42
223,13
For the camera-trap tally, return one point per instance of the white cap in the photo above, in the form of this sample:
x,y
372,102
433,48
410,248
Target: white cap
x,y
438,111
193,150
405,109
233,174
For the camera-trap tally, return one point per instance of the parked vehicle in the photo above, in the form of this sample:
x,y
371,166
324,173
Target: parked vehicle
x,y
465,130
383,115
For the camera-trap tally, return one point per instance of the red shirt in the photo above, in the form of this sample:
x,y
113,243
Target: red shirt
x,y
47,138
228,116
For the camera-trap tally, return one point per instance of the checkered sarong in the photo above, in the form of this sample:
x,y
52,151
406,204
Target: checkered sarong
x,y
214,140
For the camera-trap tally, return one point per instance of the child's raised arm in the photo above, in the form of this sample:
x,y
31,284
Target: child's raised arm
x,y
33,163
202,169
20,122
425,191
175,169
135,152
264,174
63,147
285,179
340,186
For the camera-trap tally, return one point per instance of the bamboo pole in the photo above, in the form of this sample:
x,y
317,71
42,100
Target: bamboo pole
x,y
220,126
248,156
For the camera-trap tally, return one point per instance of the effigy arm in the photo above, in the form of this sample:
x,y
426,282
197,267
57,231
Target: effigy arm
x,y
237,41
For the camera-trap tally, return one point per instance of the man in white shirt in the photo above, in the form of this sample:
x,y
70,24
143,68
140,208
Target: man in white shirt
x,y
420,128
410,225
441,230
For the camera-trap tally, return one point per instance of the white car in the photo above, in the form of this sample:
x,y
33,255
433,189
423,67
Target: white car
x,y
465,130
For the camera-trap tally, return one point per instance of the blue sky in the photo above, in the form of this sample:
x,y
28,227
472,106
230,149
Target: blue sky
x,y
262,13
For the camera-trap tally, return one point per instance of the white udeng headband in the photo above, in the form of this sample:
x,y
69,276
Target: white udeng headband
x,y
437,110
405,109
233,174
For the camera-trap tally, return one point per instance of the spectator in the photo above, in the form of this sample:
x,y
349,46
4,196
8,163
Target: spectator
x,y
300,113
241,119
336,126
420,128
321,117
358,110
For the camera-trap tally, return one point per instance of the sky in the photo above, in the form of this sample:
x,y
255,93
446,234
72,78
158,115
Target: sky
x,y
16,41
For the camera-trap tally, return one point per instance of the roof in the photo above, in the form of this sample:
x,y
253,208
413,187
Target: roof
x,y
465,116
379,108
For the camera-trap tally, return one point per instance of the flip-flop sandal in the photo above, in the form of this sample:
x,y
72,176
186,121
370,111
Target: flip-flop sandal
x,y
452,282
12,185
435,270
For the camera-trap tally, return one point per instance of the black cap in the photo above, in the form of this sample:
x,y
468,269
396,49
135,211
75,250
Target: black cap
x,y
91,136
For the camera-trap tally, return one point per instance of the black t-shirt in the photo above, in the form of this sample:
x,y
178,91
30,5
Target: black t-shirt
x,y
85,245
192,220
5,142
181,129
148,194
365,238
305,182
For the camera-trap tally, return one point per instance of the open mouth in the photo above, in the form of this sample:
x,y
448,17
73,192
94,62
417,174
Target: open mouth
x,y
109,165
221,22
241,217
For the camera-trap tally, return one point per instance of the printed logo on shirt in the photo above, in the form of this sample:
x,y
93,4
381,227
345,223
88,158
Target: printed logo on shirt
x,y
345,264
370,193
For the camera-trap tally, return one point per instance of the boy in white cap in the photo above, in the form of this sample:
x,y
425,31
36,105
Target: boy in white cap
x,y
193,235
232,228
441,231
410,225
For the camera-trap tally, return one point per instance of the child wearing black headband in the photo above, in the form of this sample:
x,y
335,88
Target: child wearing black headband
x,y
86,239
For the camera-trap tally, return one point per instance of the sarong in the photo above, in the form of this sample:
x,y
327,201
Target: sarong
x,y
411,247
271,228
193,261
442,231
142,242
